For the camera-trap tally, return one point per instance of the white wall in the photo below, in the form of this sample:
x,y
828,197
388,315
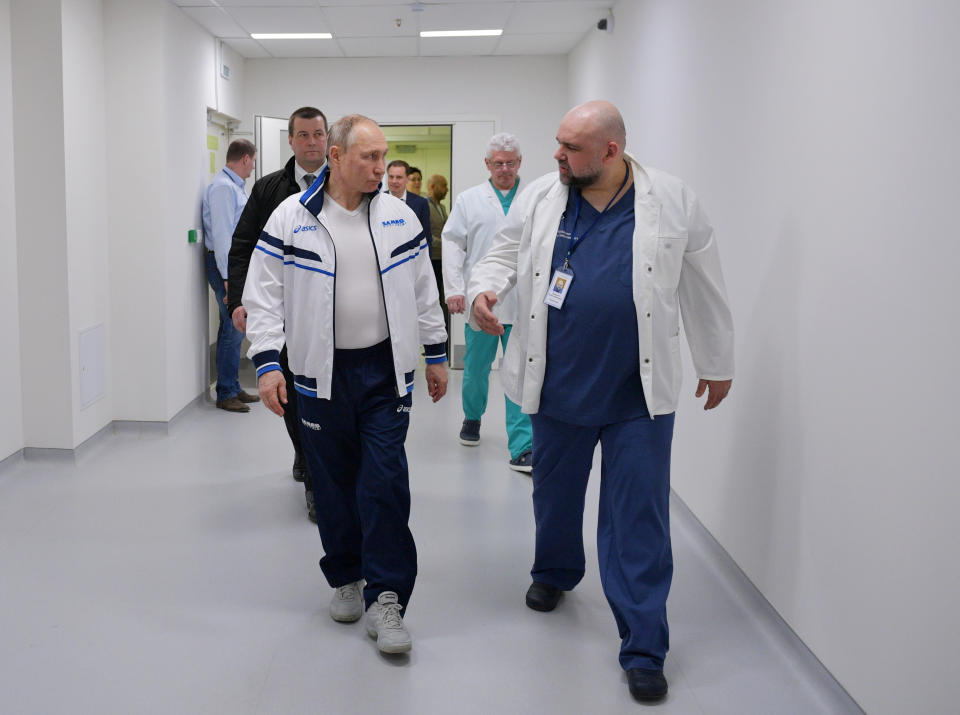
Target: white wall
x,y
136,161
526,94
229,92
159,86
85,170
822,138
11,404
105,124
190,71
41,224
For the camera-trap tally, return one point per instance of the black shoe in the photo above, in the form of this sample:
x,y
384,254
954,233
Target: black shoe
x,y
470,433
543,596
299,468
311,509
646,685
523,462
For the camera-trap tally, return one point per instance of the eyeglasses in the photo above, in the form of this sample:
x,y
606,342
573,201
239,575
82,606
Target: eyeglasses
x,y
505,164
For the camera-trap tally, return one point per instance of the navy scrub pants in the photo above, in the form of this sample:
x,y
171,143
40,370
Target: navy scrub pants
x,y
633,529
357,466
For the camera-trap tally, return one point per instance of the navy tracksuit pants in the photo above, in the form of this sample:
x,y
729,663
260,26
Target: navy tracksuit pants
x,y
357,466
633,529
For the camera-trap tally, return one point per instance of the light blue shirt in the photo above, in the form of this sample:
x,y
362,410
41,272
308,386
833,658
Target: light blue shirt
x,y
223,203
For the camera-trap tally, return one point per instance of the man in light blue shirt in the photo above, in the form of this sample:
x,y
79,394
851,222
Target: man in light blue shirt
x,y
223,203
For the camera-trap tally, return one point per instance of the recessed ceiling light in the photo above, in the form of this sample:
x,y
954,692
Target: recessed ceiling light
x,y
291,35
461,33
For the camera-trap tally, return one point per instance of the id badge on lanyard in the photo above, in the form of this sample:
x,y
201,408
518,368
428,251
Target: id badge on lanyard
x,y
563,276
559,286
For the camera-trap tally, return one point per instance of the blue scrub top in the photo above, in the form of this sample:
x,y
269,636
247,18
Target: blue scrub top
x,y
593,360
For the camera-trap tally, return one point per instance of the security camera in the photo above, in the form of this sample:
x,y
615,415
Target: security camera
x,y
605,24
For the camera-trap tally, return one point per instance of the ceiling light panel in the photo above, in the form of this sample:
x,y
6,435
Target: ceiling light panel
x,y
291,35
438,46
266,3
461,33
292,19
395,4
472,16
302,48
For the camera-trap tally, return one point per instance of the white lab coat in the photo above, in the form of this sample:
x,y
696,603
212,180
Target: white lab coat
x,y
676,268
468,234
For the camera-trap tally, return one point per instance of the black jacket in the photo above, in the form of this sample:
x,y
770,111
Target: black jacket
x,y
421,207
268,193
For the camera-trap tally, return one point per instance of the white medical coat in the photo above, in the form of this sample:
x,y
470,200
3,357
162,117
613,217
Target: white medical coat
x,y
467,236
676,268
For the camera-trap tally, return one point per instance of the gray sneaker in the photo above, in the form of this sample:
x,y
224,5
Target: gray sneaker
x,y
385,624
346,606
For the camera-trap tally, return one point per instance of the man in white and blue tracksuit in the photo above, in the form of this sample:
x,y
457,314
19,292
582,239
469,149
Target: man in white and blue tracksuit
x,y
605,255
342,274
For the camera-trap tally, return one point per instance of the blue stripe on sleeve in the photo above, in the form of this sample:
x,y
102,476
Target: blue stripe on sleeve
x,y
435,350
269,253
302,253
404,260
271,240
408,246
266,357
307,268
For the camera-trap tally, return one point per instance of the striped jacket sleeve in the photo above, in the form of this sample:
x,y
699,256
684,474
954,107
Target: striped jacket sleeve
x,y
263,294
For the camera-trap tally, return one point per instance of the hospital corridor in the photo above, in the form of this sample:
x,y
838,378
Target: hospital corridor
x,y
704,251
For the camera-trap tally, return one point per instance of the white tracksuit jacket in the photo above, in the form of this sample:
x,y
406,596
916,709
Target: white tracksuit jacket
x,y
289,292
676,268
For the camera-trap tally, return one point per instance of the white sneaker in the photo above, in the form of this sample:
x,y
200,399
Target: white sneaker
x,y
346,606
385,624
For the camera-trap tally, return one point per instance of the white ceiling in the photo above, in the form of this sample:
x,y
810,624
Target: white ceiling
x,y
369,28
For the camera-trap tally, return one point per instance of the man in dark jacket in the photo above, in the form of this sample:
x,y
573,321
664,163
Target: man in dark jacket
x,y
307,131
397,185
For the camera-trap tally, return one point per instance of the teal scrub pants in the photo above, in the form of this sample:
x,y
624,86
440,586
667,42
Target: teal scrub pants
x,y
481,349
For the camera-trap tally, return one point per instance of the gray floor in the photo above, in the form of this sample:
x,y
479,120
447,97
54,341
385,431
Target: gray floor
x,y
174,571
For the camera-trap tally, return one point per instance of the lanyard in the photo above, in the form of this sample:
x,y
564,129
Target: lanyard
x,y
575,240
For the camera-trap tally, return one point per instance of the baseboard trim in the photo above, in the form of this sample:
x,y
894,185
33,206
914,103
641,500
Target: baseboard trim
x,y
39,454
11,460
836,697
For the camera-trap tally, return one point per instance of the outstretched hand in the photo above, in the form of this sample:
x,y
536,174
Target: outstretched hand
x,y
483,311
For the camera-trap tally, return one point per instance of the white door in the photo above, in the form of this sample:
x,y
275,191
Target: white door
x,y
218,139
271,137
